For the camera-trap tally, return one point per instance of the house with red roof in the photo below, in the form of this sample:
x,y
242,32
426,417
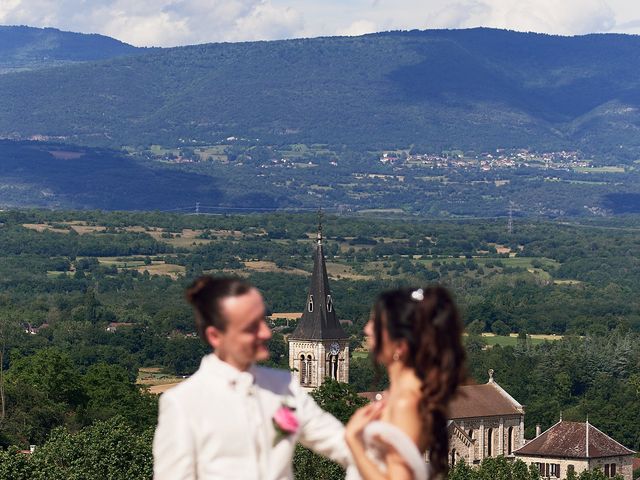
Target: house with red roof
x,y
576,446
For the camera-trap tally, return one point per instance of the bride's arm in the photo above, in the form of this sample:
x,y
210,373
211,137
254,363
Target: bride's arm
x,y
396,468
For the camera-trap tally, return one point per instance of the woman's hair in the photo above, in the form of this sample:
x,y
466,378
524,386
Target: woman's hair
x,y
205,294
428,320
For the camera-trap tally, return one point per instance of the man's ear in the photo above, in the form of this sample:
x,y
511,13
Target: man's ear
x,y
213,336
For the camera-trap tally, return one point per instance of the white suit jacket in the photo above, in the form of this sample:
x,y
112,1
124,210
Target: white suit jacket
x,y
218,425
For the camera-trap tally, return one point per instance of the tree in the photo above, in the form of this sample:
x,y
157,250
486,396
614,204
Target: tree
x,y
110,392
495,469
462,471
15,465
108,449
476,327
339,399
91,305
7,330
500,328
520,471
51,372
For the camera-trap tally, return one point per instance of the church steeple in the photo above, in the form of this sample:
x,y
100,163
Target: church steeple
x,y
319,347
319,320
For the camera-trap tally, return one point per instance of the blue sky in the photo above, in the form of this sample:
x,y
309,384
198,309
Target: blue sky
x,y
180,22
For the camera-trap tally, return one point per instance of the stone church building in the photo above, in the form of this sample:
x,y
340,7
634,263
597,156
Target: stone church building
x,y
484,420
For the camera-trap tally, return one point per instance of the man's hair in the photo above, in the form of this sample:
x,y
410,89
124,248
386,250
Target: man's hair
x,y
205,295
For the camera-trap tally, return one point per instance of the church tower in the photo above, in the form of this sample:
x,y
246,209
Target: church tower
x,y
319,347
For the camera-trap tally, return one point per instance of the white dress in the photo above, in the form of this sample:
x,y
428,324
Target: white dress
x,y
400,441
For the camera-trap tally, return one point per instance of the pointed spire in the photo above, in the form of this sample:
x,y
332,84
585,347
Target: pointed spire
x,y
319,226
319,320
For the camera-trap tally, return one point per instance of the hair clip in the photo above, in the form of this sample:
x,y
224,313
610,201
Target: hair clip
x,y
417,295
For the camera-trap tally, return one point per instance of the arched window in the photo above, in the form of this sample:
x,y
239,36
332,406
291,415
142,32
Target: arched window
x,y
329,303
471,434
309,370
310,303
333,364
453,457
490,442
303,370
510,441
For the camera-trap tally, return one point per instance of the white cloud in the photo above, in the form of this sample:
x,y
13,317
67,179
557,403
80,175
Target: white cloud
x,y
359,27
566,17
267,22
159,22
179,22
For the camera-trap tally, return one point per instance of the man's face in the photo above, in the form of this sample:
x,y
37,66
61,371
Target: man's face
x,y
244,341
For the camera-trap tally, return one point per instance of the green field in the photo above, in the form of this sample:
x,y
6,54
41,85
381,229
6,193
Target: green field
x,y
607,169
523,262
512,340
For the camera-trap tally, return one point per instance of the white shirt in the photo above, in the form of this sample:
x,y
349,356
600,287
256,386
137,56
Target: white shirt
x,y
218,425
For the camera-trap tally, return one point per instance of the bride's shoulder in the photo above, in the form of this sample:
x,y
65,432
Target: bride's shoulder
x,y
404,413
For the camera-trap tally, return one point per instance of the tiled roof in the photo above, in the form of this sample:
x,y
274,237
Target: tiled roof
x,y
573,440
486,400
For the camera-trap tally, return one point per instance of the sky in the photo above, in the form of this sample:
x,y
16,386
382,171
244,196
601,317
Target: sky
x,y
167,23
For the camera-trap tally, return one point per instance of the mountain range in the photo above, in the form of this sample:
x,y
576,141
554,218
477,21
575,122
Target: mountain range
x,y
29,48
471,89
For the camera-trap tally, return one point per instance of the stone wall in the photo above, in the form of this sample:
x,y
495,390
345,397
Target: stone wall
x,y
319,352
480,429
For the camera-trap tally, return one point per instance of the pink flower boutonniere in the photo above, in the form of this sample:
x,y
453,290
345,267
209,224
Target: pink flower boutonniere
x,y
285,422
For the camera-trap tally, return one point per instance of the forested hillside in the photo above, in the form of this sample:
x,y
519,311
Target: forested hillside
x,y
469,89
28,48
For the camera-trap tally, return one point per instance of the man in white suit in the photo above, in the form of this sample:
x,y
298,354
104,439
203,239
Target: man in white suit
x,y
233,419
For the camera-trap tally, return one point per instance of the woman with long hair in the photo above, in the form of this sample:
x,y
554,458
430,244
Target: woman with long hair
x,y
416,335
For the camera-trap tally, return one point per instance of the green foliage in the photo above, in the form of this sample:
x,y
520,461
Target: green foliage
x,y
52,373
575,376
476,327
498,468
339,399
110,393
48,389
596,474
500,328
108,449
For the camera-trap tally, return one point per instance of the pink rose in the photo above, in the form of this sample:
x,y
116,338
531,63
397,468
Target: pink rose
x,y
286,420
285,423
